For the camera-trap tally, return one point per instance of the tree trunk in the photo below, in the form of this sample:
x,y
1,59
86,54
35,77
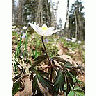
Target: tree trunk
x,y
13,11
67,20
48,18
75,26
40,13
80,28
20,12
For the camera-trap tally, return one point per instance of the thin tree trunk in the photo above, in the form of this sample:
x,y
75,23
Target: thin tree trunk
x,y
80,27
67,20
20,12
75,26
39,13
47,13
13,11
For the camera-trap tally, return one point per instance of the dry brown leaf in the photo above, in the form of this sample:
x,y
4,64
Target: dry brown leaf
x,y
14,48
81,78
62,49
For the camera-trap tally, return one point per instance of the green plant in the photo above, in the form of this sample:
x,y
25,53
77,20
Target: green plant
x,y
57,76
63,80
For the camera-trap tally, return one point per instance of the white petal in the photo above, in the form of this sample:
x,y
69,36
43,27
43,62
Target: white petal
x,y
33,26
44,25
52,28
39,30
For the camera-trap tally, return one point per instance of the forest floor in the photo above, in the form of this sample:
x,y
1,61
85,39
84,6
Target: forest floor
x,y
56,46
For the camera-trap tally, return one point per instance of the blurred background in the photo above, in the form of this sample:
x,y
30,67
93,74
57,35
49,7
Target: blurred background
x,y
67,16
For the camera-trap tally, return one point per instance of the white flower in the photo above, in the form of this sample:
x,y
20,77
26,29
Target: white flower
x,y
24,28
83,46
67,39
73,39
79,42
53,44
34,74
44,30
13,27
55,40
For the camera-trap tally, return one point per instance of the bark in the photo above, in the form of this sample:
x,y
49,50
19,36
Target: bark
x,y
40,13
20,12
67,20
75,26
13,11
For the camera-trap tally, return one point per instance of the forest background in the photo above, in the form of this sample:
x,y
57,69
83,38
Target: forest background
x,y
6,46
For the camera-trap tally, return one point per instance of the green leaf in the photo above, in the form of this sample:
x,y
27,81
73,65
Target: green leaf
x,y
68,87
37,44
15,88
36,54
42,73
68,64
79,92
59,83
70,79
35,85
71,93
38,61
45,83
75,79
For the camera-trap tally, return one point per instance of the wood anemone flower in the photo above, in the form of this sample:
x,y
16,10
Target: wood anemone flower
x,y
44,30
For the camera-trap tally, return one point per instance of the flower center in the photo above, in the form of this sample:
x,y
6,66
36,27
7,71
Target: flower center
x,y
44,28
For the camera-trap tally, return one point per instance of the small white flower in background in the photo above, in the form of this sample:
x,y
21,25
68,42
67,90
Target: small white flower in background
x,y
83,46
17,29
73,40
79,42
67,39
44,30
24,28
55,40
70,49
34,74
53,44
13,27
21,56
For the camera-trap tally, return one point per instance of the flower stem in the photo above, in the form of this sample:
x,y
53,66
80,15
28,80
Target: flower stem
x,y
43,45
49,63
